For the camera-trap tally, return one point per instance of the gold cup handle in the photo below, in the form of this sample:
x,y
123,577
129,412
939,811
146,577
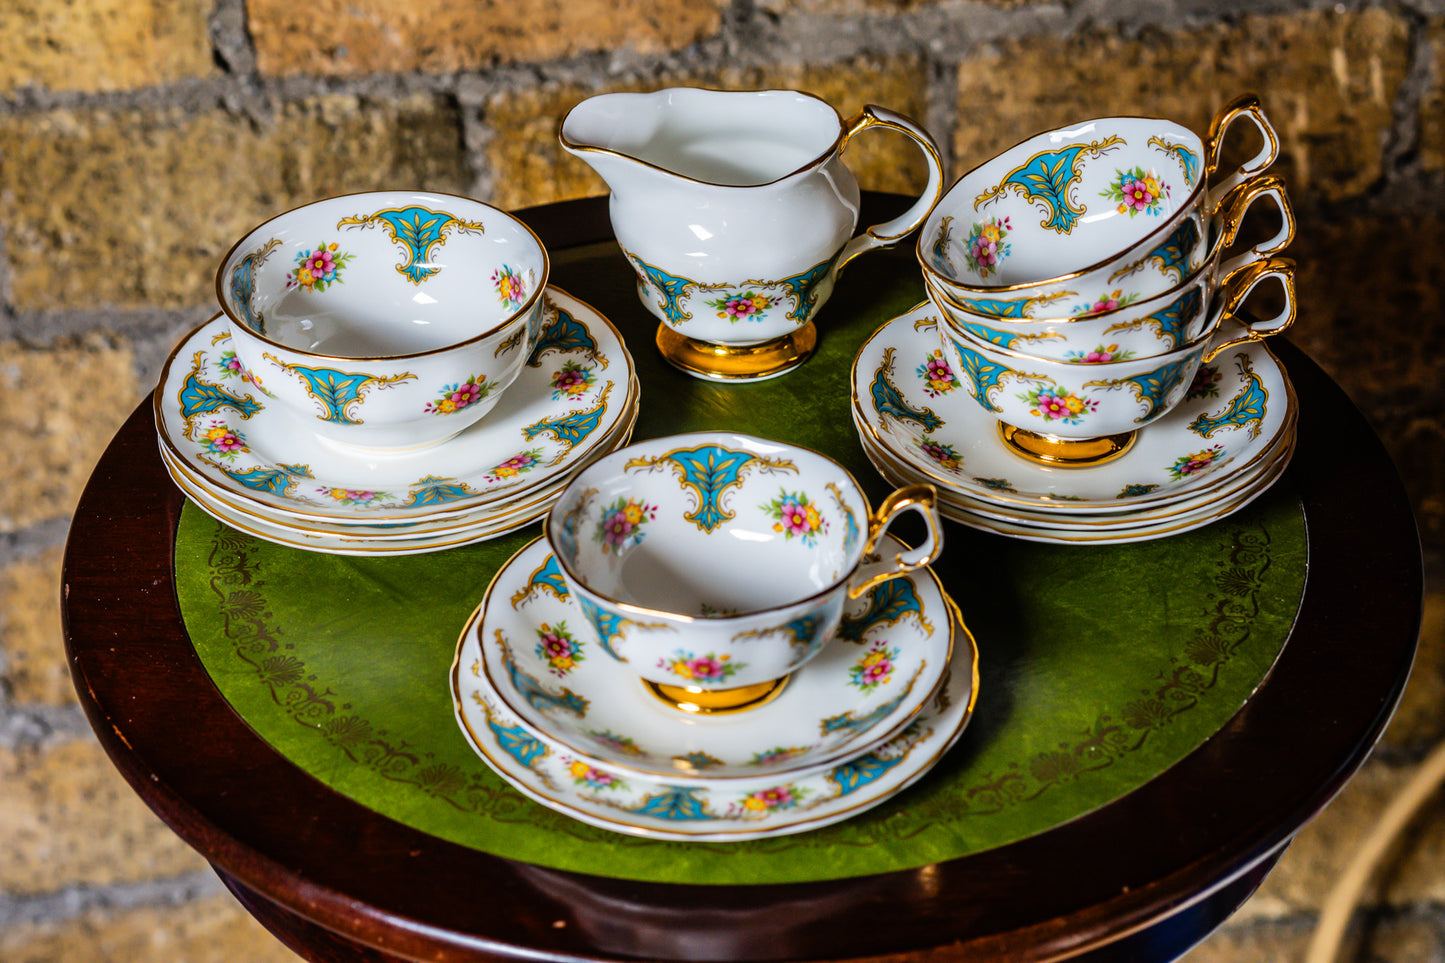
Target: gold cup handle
x,y
1231,213
891,232
1235,291
922,499
1244,107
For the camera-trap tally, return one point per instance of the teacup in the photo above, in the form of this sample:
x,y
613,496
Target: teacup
x,y
386,320
1081,415
1047,225
737,212
715,564
1137,328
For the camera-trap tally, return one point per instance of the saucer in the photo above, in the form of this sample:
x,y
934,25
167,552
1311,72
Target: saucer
x,y
216,421
408,541
1062,529
531,505
542,665
656,807
1239,483
917,413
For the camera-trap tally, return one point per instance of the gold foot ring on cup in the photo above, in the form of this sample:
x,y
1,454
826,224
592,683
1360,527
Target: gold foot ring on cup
x,y
1066,452
749,362
714,702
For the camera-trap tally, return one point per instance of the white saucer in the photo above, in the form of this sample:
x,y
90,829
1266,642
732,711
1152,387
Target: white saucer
x,y
726,810
490,524
597,709
941,434
1240,484
292,530
540,431
1064,532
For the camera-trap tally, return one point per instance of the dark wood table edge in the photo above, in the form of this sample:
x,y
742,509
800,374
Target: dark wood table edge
x,y
979,910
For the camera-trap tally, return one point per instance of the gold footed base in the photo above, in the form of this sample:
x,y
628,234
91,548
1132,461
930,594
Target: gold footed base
x,y
751,362
1066,452
714,702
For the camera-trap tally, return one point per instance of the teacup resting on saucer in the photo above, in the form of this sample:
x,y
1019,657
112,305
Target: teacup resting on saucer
x,y
385,321
714,563
737,212
1079,415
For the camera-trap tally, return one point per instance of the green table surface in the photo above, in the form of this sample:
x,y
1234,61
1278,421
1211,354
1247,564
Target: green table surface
x,y
1101,666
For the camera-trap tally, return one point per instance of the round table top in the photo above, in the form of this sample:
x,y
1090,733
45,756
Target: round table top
x,y
1143,877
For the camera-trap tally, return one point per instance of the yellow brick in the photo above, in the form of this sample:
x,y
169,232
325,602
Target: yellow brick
x,y
67,817
1326,79
36,670
59,408
347,37
136,209
103,45
211,930
531,168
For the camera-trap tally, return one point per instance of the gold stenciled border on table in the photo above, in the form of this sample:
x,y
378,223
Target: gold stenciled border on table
x,y
959,626
158,408
866,427
608,764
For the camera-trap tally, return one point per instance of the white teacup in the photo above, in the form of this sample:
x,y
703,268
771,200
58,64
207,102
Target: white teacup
x,y
387,320
1080,415
715,563
1046,225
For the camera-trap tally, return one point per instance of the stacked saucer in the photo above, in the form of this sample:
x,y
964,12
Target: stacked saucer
x,y
579,732
1213,453
251,464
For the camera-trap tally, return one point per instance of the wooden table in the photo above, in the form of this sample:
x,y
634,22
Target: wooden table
x,y
1142,878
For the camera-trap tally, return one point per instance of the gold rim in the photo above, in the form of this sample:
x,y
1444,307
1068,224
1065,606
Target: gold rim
x,y
752,362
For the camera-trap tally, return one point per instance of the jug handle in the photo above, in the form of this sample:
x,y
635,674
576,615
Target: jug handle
x,y
891,232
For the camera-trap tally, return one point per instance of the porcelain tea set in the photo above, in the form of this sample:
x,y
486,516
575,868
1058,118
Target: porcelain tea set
x,y
717,637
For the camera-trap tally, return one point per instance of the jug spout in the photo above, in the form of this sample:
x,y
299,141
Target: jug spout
x,y
609,137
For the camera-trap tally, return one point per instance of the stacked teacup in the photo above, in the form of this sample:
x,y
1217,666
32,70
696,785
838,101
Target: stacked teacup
x,y
389,373
1081,280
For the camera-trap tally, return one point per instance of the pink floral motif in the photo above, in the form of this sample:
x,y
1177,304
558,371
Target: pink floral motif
x,y
511,287
747,306
1138,191
1108,301
937,375
765,801
558,649
708,668
459,397
353,497
986,246
318,268
572,380
875,668
621,524
946,456
1103,354
224,441
594,779
519,464
1058,404
1205,384
795,516
1187,466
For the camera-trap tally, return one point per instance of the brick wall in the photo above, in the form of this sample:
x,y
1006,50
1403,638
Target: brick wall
x,y
138,138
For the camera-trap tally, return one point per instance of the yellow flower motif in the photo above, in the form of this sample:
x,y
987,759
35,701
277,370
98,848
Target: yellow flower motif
x,y
683,669
814,519
755,804
991,232
303,276
1074,404
217,432
633,513
331,246
578,770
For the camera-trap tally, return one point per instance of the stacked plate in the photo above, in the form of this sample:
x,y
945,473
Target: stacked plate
x,y
576,730
1215,452
253,466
